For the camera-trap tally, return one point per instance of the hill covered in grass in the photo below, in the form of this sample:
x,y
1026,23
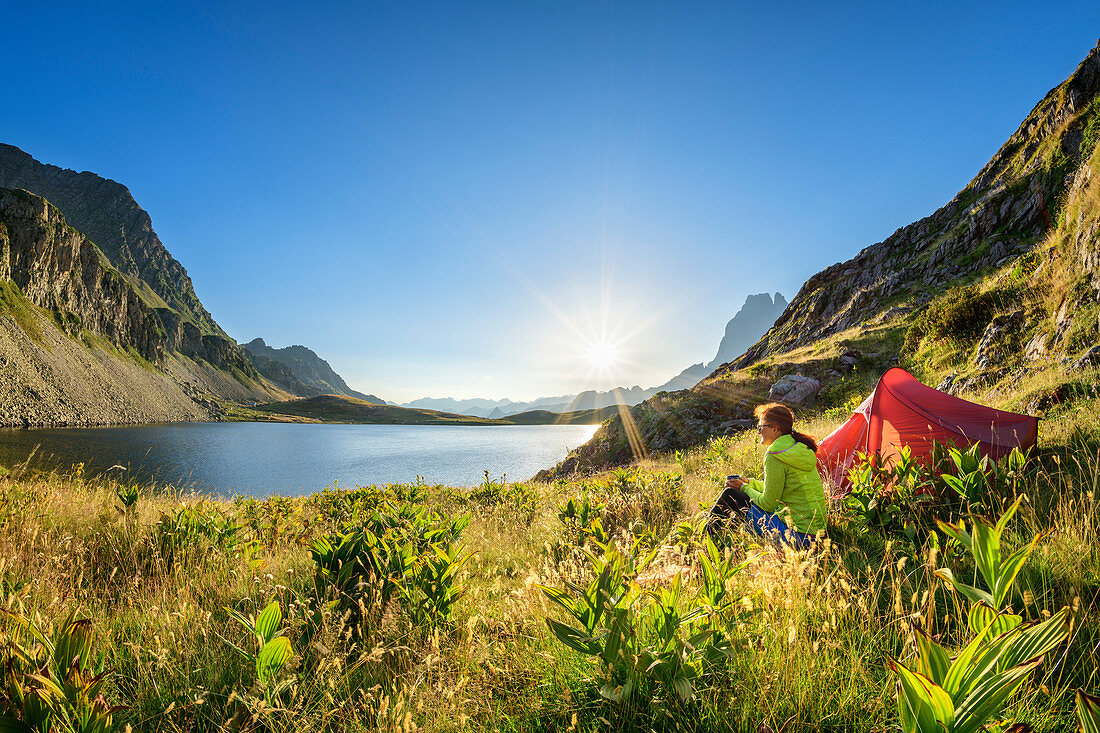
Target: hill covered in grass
x,y
345,409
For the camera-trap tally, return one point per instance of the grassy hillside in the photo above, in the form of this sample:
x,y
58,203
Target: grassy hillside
x,y
577,417
343,409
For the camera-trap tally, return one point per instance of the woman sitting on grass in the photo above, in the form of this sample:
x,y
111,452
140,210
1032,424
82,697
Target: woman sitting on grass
x,y
791,485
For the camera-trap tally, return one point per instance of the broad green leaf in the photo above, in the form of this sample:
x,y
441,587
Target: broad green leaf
x,y
922,703
562,599
272,658
1002,523
683,688
974,594
1009,569
48,687
572,638
961,668
1088,712
8,724
617,693
268,622
989,696
1036,639
957,533
934,661
987,553
984,619
74,641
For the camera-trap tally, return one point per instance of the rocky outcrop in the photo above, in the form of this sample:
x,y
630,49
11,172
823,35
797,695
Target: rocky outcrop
x,y
1002,213
996,339
58,268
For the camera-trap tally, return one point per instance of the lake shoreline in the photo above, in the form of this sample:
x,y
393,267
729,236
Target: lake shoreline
x,y
261,459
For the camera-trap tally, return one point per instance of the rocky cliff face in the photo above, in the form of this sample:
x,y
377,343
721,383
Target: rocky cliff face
x,y
105,211
79,345
1003,212
60,269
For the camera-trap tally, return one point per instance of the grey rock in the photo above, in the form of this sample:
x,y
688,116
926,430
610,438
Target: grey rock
x,y
1088,360
993,346
1036,348
1062,321
794,388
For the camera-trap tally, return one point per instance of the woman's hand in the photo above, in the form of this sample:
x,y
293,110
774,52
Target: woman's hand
x,y
735,483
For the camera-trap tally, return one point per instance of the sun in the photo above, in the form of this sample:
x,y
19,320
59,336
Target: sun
x,y
602,355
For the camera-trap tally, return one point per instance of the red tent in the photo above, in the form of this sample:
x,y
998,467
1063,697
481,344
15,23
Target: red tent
x,y
902,411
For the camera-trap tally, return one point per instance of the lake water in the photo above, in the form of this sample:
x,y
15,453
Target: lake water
x,y
262,459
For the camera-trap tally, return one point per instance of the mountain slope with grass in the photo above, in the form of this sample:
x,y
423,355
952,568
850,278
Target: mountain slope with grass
x,y
993,297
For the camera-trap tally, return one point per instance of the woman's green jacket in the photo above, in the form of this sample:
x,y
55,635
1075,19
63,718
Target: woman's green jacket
x,y
791,480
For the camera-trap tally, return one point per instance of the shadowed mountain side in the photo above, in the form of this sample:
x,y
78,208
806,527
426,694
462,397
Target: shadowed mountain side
x,y
301,371
79,345
755,317
545,417
345,409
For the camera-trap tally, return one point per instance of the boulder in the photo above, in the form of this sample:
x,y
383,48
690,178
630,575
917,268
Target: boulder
x,y
735,426
1036,348
794,388
992,347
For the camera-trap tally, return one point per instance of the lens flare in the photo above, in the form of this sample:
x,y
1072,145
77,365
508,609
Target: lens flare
x,y
603,356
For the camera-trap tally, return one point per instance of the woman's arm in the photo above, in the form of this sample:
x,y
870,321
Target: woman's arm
x,y
766,494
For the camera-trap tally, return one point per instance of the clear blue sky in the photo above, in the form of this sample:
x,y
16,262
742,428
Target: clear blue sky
x,y
462,198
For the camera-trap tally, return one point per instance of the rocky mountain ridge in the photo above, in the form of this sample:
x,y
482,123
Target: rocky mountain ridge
x,y
1002,213
106,212
301,371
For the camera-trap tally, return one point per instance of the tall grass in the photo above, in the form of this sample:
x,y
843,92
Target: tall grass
x,y
812,655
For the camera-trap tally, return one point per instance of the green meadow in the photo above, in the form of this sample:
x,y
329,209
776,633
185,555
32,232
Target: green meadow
x,y
596,603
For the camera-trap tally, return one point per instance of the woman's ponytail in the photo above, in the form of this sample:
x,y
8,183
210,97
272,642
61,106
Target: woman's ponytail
x,y
804,439
783,418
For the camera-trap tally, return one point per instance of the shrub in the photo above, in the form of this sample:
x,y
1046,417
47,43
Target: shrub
x,y
960,313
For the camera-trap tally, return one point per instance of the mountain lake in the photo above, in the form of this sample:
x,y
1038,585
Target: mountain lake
x,y
262,459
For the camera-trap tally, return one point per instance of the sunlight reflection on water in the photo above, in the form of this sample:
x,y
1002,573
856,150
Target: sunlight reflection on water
x,y
262,459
